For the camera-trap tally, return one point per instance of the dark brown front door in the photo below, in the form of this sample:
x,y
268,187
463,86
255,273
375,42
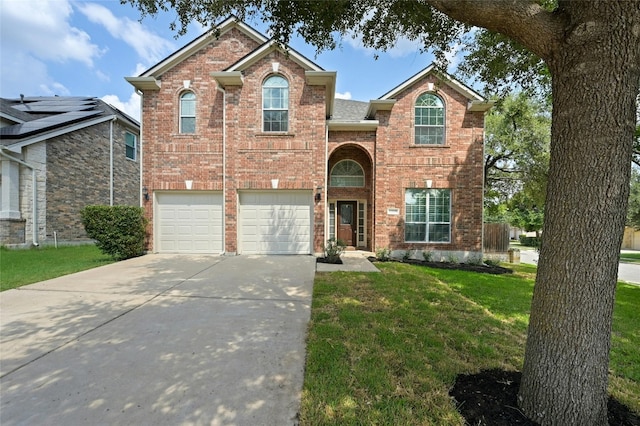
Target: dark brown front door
x,y
347,222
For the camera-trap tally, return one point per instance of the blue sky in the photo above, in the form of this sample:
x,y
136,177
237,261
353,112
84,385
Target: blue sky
x,y
86,48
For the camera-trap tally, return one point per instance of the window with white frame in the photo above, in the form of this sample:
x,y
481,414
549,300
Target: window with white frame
x,y
427,215
188,112
275,104
347,173
130,142
429,120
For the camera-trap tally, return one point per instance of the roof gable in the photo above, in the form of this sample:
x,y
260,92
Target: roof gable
x,y
461,88
201,42
266,49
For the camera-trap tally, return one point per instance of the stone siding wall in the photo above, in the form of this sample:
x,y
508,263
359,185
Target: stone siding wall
x,y
78,174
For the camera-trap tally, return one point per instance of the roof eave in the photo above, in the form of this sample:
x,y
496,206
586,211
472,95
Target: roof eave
x,y
144,83
228,78
356,126
480,106
327,79
376,105
201,42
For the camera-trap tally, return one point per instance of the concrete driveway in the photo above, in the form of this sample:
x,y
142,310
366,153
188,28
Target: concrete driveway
x,y
158,340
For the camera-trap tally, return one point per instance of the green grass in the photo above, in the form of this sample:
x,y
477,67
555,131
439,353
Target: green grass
x,y
21,267
630,257
386,348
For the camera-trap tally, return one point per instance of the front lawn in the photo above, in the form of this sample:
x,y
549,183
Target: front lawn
x,y
21,267
630,257
386,348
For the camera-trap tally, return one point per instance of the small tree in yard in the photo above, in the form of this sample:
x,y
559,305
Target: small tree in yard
x,y
333,250
119,231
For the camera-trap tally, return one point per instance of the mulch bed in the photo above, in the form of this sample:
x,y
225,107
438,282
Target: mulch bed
x,y
324,260
485,269
490,398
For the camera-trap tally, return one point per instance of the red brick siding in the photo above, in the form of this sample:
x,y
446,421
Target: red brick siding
x,y
457,165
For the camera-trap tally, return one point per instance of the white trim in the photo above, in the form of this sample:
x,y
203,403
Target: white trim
x,y
269,47
449,80
358,201
202,42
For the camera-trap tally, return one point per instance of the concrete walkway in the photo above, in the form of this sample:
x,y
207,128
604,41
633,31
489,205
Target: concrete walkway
x,y
158,340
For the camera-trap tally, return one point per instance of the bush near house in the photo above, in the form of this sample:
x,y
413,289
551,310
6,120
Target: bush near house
x,y
119,231
529,241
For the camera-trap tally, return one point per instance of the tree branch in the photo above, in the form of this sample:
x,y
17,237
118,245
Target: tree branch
x,y
525,21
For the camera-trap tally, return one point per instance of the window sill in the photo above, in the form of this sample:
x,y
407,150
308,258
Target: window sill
x,y
275,135
429,146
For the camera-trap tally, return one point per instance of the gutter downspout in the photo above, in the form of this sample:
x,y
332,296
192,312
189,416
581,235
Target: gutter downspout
x,y
224,167
140,196
111,159
34,200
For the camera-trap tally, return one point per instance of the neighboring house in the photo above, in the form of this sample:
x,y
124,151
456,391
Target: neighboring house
x,y
246,150
77,150
631,239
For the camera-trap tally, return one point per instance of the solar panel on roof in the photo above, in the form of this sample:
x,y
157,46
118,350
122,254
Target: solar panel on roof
x,y
38,107
24,129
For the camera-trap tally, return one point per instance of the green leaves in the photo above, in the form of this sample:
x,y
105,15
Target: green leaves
x,y
119,231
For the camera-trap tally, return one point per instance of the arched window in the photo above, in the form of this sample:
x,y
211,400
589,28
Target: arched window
x,y
275,104
188,112
347,173
429,124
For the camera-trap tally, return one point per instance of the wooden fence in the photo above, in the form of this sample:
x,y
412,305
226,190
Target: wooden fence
x,y
496,237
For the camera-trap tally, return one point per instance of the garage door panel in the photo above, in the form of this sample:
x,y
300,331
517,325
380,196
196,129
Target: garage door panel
x,y
276,222
189,222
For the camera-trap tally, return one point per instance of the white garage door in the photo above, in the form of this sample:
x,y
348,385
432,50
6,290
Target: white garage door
x,y
276,222
188,222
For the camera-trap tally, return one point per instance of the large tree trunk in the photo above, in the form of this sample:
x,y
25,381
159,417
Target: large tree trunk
x,y
595,82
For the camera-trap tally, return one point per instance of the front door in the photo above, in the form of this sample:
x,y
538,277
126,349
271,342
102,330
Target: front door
x,y
347,222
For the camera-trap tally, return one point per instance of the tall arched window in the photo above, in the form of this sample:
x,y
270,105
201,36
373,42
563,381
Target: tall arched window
x,y
275,104
429,124
347,173
188,112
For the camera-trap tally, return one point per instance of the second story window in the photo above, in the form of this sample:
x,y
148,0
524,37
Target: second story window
x,y
429,116
188,112
130,145
275,104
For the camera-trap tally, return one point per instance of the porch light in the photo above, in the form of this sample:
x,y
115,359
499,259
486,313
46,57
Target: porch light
x,y
318,196
145,193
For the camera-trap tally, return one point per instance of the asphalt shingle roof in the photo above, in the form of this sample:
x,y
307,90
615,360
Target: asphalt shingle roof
x,y
348,110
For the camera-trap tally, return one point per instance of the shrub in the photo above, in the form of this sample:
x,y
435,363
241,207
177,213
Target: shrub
x,y
333,250
407,255
119,231
529,241
383,254
492,262
427,255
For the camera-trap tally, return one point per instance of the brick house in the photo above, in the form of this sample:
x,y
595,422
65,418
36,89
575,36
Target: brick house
x,y
246,150
77,150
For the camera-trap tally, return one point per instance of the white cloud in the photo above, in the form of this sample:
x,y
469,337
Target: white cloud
x,y
131,106
149,46
345,95
41,29
36,82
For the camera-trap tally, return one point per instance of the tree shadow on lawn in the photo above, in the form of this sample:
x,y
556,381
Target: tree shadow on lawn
x,y
490,396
